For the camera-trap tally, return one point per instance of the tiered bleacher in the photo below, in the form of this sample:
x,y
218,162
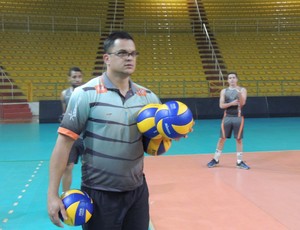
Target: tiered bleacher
x,y
269,59
42,39
38,62
259,40
169,62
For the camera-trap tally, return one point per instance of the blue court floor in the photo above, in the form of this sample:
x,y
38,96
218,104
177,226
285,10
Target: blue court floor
x,y
25,150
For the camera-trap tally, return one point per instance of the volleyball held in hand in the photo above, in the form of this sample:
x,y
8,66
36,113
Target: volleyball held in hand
x,y
174,119
78,205
156,147
146,121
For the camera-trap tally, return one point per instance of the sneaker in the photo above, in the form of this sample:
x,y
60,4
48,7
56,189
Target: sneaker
x,y
212,163
242,165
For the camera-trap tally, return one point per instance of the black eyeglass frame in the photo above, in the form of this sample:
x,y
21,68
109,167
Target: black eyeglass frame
x,y
125,54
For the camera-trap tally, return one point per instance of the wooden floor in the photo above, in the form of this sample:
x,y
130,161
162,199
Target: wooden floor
x,y
186,195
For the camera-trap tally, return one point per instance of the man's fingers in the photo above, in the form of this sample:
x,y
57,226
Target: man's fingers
x,y
56,220
55,211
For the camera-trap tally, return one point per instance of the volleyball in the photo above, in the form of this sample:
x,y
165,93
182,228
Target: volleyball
x,y
173,119
78,205
156,147
146,121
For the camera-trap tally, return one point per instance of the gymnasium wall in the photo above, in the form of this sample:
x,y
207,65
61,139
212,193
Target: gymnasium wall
x,y
205,108
256,107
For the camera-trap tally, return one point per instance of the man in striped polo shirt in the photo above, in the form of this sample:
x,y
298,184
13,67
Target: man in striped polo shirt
x,y
104,110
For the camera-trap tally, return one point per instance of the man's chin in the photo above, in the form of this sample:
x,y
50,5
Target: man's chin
x,y
129,71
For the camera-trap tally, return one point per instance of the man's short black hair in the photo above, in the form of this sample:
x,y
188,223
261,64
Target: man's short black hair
x,y
235,73
76,69
110,40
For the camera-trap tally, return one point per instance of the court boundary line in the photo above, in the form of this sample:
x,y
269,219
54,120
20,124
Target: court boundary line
x,y
225,153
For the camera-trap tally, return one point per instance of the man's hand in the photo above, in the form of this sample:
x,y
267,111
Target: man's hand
x,y
55,206
235,102
186,136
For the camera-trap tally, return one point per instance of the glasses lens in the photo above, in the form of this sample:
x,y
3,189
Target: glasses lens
x,y
124,54
134,53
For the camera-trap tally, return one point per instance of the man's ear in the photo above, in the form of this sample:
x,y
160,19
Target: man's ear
x,y
106,58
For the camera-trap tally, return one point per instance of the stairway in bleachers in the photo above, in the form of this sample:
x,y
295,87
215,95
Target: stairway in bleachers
x,y
13,103
211,56
114,21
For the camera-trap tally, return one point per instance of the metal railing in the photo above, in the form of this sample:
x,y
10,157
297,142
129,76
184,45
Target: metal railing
x,y
257,25
210,45
4,79
27,23
214,56
93,24
182,89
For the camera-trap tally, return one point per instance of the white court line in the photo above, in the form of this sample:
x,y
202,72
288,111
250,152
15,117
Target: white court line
x,y
5,220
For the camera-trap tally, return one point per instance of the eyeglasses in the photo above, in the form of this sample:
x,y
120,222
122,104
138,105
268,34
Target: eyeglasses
x,y
125,54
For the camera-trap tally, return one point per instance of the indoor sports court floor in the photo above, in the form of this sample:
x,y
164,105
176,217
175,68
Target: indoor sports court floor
x,y
184,193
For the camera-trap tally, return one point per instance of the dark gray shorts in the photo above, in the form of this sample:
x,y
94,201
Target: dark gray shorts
x,y
229,124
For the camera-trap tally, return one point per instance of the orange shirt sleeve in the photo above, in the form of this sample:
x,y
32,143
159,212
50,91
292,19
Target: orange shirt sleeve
x,y
68,133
